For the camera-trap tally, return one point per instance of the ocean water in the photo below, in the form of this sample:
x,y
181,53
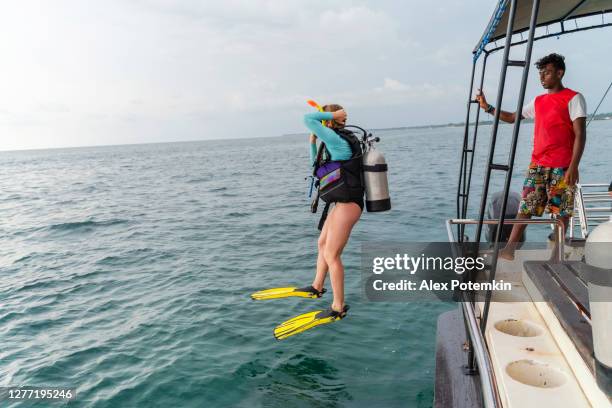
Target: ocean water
x,y
126,272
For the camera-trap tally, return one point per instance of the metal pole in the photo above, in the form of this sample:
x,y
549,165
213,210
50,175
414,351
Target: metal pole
x,y
500,94
515,133
470,369
469,179
512,221
598,105
463,168
489,390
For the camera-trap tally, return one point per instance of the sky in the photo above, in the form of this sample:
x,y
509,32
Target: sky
x,y
76,73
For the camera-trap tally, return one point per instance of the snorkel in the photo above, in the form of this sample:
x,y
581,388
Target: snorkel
x,y
317,107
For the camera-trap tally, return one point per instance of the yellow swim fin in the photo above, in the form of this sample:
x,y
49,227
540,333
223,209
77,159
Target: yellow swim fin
x,y
278,293
307,321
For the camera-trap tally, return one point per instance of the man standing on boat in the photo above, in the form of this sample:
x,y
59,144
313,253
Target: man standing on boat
x,y
558,143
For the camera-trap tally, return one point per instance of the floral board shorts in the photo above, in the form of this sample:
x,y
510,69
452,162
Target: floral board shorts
x,y
545,189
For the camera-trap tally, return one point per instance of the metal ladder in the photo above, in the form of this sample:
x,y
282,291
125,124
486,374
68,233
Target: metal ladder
x,y
504,167
467,157
469,147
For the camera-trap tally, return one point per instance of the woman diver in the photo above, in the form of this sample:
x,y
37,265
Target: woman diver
x,y
338,168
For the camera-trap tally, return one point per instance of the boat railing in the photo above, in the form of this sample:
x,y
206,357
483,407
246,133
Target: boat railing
x,y
490,393
477,346
555,222
586,216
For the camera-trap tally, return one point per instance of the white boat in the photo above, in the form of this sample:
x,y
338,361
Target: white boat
x,y
534,348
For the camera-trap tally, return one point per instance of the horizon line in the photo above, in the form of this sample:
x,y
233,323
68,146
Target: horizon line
x,y
599,116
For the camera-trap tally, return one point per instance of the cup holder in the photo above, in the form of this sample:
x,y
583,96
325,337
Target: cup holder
x,y
536,374
519,328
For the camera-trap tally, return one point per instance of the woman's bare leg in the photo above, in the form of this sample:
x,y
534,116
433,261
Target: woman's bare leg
x,y
322,268
338,233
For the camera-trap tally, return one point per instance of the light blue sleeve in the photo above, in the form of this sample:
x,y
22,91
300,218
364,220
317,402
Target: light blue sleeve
x,y
338,148
313,123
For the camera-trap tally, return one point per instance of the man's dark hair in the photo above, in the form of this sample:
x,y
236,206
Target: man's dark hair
x,y
557,60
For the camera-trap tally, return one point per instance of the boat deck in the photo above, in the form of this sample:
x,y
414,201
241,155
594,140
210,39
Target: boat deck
x,y
565,290
453,388
552,299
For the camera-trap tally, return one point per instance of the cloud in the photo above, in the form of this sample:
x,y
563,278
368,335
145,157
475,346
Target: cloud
x,y
357,27
230,13
198,64
393,85
52,107
392,92
106,72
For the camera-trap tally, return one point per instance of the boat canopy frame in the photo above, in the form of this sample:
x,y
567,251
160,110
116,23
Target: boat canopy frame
x,y
517,17
551,13
487,45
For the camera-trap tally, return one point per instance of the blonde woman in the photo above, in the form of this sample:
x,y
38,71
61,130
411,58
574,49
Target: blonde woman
x,y
338,168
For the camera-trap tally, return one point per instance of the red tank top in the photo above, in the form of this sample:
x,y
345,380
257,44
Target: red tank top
x,y
553,140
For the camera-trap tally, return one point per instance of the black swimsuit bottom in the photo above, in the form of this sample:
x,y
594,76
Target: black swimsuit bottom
x,y
358,202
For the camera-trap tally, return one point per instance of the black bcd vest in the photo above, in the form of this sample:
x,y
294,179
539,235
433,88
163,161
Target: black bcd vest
x,y
341,180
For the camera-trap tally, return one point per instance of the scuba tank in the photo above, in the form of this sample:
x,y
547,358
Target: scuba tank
x,y
375,181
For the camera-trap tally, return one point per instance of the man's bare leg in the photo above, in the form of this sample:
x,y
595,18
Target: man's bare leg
x,y
515,236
